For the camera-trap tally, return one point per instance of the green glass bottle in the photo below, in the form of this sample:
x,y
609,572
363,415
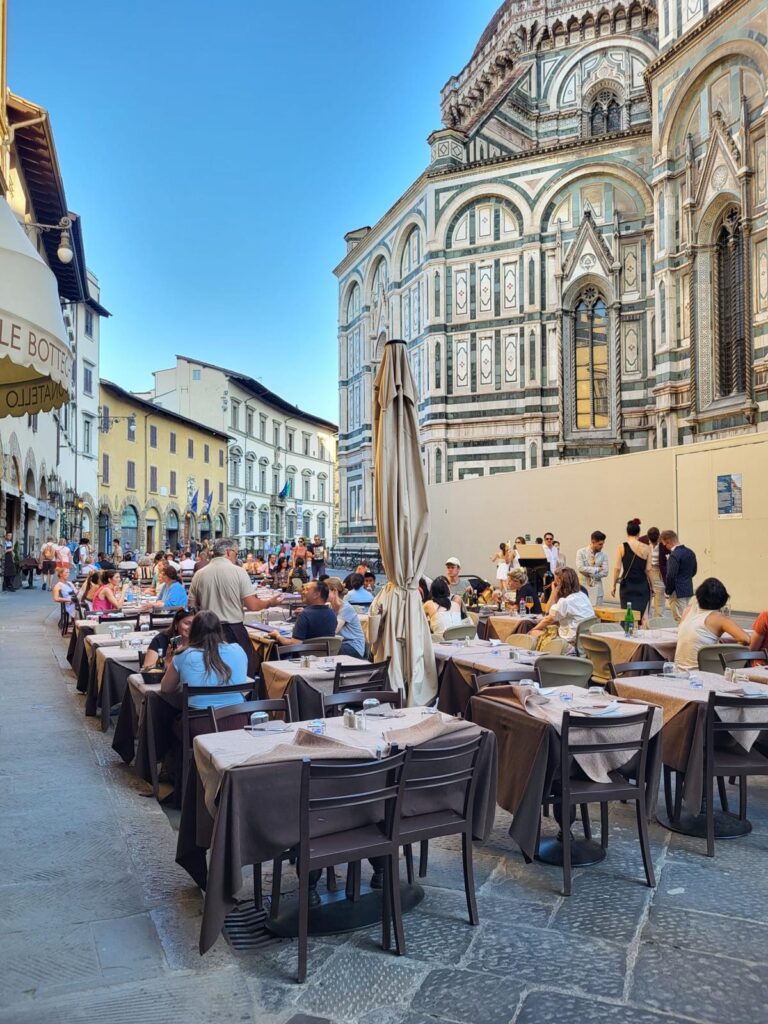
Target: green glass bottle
x,y
629,620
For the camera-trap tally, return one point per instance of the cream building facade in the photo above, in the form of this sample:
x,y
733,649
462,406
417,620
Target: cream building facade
x,y
281,459
48,483
582,269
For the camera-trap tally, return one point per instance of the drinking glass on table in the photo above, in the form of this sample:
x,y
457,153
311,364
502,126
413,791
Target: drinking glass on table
x,y
669,668
529,604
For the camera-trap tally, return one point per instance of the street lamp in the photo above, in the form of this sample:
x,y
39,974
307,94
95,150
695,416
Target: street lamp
x,y
64,252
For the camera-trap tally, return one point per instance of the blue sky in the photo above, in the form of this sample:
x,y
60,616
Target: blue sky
x,y
218,154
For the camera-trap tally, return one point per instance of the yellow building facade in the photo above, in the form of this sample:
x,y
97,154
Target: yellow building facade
x,y
162,477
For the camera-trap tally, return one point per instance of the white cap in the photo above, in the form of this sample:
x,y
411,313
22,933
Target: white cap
x,y
453,560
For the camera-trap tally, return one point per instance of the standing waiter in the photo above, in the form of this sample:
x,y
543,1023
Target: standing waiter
x,y
225,588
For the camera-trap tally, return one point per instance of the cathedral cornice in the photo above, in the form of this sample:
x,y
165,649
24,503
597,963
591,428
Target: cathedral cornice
x,y
720,13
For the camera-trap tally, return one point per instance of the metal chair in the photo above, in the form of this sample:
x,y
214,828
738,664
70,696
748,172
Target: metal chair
x,y
460,632
662,622
584,627
638,668
572,792
483,679
554,645
334,643
736,659
599,653
523,640
202,716
236,716
317,647
551,670
433,768
330,788
159,620
604,627
334,702
710,657
362,677
297,584
734,761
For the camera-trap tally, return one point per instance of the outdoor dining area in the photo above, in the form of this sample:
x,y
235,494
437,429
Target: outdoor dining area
x,y
308,805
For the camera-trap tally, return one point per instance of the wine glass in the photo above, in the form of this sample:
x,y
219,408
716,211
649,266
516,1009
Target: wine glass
x,y
529,604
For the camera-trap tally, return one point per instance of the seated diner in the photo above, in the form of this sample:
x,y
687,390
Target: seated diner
x,y
315,619
206,660
442,609
569,606
704,624
175,637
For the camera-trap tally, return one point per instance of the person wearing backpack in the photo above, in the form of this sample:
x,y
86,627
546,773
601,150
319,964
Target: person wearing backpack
x,y
48,567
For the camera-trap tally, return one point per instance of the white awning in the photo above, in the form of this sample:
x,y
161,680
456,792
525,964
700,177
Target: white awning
x,y
35,359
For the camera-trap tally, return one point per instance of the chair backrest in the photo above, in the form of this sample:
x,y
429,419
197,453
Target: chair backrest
x,y
599,653
552,670
715,726
585,745
522,640
286,651
452,767
334,643
638,668
733,658
482,679
460,632
160,621
554,645
297,584
604,627
335,702
235,716
333,786
362,677
710,656
662,622
584,627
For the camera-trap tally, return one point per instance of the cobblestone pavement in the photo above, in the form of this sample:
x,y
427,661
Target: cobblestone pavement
x,y
99,924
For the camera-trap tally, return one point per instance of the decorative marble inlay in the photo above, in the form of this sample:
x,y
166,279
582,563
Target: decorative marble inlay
x,y
461,292
510,359
719,176
462,363
486,360
485,289
510,285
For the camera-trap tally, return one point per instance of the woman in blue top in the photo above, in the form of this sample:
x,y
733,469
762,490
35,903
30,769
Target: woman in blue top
x,y
171,592
207,661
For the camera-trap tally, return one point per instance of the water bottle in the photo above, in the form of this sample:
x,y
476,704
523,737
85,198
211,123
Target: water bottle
x,y
128,594
629,620
522,607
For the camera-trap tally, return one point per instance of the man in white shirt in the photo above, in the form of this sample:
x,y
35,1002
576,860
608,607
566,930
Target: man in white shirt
x,y
551,552
592,566
187,564
452,570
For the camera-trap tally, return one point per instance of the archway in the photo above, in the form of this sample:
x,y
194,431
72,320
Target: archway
x,y
105,530
152,527
129,528
172,529
219,526
206,530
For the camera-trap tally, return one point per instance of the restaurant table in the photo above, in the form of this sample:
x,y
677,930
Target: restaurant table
x,y
456,661
501,625
685,712
248,813
129,722
643,645
304,687
108,679
529,764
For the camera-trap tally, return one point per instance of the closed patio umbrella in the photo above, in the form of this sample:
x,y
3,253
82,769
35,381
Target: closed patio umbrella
x,y
400,630
35,359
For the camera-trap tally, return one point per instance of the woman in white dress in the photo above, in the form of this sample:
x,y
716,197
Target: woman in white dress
x,y
569,606
442,610
503,560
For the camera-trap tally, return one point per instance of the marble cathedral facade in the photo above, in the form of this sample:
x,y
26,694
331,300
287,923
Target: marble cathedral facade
x,y
582,269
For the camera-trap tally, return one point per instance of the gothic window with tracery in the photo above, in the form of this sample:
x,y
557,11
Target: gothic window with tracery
x,y
731,361
605,113
591,361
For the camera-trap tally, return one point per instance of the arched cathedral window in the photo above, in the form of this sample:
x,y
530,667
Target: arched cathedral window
x,y
731,362
605,114
591,361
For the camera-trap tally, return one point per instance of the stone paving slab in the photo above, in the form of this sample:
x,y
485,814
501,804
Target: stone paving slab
x,y
100,925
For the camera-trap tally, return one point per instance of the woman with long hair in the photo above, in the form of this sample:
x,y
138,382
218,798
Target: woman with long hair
x,y
108,596
91,585
207,660
63,592
442,610
569,606
503,560
633,561
281,573
176,637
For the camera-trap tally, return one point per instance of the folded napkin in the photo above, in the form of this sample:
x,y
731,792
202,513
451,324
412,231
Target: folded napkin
x,y
597,710
384,711
310,744
494,643
748,690
428,729
529,697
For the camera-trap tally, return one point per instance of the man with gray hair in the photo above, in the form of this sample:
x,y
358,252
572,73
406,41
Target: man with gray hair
x,y
224,587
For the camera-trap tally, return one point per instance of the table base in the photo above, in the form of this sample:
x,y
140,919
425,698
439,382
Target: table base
x,y
335,913
583,852
727,826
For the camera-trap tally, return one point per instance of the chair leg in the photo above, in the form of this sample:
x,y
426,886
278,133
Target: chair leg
x,y
423,858
330,879
722,792
469,877
604,826
743,797
566,853
709,791
668,791
277,878
678,807
353,881
397,910
303,921
258,891
585,822
386,910
408,851
645,845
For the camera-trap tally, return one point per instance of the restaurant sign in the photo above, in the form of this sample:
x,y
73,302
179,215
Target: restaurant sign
x,y
35,368
730,504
